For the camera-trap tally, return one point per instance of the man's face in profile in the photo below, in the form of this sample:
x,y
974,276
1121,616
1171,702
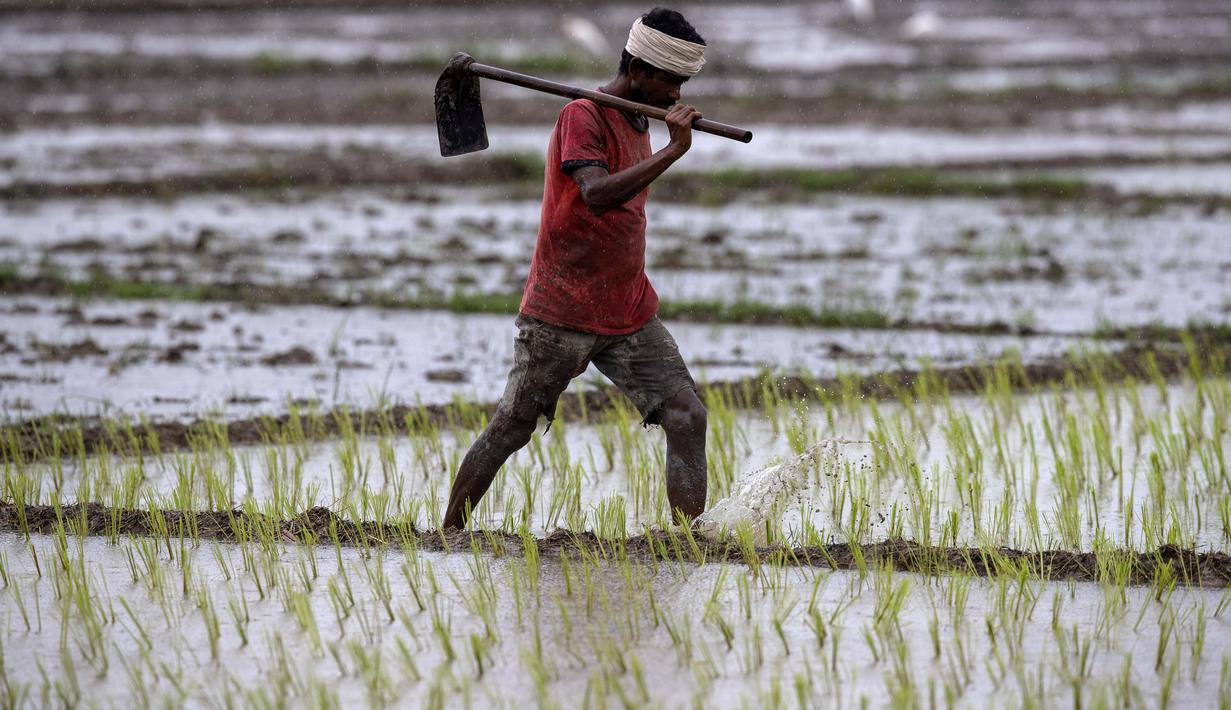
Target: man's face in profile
x,y
654,86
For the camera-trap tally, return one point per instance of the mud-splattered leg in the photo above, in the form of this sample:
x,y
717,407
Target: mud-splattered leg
x,y
545,359
683,418
502,438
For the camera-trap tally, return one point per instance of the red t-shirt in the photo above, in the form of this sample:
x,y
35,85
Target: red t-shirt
x,y
588,271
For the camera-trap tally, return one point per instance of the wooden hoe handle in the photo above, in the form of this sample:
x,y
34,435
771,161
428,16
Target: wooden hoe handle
x,y
704,125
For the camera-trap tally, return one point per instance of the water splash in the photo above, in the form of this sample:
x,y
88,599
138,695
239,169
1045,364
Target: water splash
x,y
754,496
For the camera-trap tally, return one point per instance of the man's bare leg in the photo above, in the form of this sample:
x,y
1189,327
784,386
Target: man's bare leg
x,y
503,437
684,420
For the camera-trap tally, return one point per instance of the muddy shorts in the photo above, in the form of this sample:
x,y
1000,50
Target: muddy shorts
x,y
645,365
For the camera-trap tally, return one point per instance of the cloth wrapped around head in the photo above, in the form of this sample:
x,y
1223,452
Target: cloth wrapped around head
x,y
661,50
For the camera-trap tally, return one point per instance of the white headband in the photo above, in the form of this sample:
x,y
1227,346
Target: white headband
x,y
668,53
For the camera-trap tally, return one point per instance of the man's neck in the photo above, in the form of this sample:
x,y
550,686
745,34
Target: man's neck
x,y
619,86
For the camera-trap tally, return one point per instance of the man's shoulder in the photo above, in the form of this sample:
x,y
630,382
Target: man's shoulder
x,y
581,108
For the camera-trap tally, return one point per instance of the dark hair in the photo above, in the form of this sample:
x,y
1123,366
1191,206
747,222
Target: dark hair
x,y
665,21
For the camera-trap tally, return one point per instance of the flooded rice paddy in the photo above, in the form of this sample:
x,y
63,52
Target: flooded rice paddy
x,y
961,261
250,322
120,358
527,612
100,155
444,629
1053,470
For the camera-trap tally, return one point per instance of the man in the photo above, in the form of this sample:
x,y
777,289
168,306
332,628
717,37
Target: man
x,y
587,298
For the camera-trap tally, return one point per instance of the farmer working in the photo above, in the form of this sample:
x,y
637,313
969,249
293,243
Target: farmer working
x,y
587,298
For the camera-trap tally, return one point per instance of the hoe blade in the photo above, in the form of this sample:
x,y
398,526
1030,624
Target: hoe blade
x,y
459,111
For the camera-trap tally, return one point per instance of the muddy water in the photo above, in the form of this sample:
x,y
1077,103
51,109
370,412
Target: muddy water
x,y
1065,268
1182,179
100,154
182,361
826,35
737,637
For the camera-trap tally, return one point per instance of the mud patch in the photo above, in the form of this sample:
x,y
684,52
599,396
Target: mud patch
x,y
319,525
295,356
176,353
66,352
447,375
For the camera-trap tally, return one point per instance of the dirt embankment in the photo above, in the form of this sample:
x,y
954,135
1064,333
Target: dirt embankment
x,y
321,526
53,437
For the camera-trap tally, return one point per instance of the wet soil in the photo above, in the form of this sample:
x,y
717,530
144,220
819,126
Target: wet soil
x,y
295,356
50,437
957,265
109,6
321,526
65,352
519,177
189,91
378,76
299,295
318,168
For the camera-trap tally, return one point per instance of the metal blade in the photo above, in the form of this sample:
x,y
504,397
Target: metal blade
x,y
459,110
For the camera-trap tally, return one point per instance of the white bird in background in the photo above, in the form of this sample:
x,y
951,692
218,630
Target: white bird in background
x,y
862,10
920,25
585,34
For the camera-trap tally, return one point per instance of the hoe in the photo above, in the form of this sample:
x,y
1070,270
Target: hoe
x,y
459,110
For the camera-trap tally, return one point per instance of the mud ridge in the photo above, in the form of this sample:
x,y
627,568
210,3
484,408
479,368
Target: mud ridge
x,y
321,526
59,437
